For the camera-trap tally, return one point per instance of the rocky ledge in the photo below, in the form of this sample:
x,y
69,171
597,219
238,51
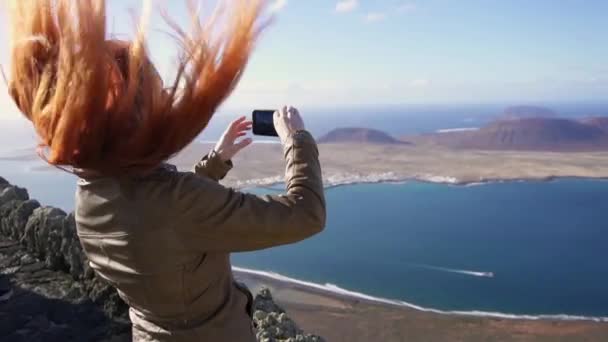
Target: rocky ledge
x,y
56,296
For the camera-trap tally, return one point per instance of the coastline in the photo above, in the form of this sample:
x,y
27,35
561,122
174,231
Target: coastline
x,y
339,180
389,178
342,315
261,165
337,292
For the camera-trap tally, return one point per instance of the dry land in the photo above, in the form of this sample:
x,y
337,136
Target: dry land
x,y
262,164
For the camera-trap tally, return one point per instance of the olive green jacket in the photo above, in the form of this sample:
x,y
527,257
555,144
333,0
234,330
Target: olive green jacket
x,y
164,241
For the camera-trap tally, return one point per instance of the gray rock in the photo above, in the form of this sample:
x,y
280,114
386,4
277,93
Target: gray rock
x,y
42,235
264,302
5,210
71,249
103,294
273,324
259,315
27,259
11,193
3,183
17,218
50,305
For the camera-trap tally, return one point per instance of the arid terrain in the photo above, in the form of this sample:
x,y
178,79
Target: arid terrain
x,y
343,163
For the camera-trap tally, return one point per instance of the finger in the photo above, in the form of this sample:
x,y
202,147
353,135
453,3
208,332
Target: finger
x,y
241,134
245,125
234,124
243,143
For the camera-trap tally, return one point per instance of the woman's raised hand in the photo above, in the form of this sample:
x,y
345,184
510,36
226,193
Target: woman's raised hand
x,y
227,147
287,121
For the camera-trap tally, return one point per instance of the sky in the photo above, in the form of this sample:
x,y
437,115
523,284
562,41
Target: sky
x,y
330,53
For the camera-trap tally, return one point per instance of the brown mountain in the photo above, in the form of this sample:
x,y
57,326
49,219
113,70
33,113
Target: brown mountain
x,y
358,135
549,134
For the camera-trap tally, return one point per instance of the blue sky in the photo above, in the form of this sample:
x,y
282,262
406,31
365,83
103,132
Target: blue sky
x,y
341,53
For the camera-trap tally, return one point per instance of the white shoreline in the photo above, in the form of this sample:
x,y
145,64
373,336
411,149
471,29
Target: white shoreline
x,y
344,179
336,290
456,130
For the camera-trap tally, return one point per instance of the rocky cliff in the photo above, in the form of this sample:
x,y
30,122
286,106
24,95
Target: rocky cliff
x,y
56,295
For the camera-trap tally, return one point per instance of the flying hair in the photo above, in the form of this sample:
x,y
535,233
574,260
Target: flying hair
x,y
99,104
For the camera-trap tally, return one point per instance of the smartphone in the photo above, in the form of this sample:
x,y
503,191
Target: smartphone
x,y
263,123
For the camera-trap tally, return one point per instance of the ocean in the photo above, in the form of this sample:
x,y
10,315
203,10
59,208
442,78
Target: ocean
x,y
523,248
515,248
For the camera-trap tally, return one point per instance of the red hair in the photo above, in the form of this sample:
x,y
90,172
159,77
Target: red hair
x,y
100,104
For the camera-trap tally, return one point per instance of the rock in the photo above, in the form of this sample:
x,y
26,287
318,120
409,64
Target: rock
x,y
14,216
71,249
5,210
273,324
264,302
42,235
259,315
11,193
49,305
105,295
27,259
288,326
3,183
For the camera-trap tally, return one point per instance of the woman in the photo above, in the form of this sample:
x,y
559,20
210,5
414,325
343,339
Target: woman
x,y
163,238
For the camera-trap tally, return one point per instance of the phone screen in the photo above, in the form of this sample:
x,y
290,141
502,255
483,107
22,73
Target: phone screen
x,y
263,123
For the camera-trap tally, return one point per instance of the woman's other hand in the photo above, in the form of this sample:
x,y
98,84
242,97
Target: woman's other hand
x,y
227,147
287,121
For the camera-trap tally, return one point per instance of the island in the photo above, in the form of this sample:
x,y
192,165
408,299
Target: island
x,y
359,136
504,150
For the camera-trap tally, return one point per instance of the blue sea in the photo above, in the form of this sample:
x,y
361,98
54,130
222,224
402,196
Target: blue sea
x,y
434,245
521,248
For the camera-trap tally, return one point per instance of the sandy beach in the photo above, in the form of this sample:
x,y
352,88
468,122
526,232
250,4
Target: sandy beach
x,y
340,317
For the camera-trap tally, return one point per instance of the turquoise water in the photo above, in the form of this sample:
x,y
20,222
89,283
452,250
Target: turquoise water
x,y
426,244
546,244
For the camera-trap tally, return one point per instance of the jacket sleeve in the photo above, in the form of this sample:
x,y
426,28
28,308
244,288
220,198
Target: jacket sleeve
x,y
215,218
213,167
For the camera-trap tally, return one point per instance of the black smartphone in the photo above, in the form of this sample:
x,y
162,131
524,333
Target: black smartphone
x,y
263,123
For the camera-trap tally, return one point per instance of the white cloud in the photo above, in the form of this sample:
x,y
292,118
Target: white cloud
x,y
407,7
420,83
347,5
278,5
373,17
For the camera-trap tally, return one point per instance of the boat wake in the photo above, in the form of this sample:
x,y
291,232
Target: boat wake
x,y
454,270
